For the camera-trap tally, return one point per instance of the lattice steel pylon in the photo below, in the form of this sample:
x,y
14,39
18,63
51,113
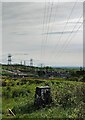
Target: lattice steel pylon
x,y
9,59
31,62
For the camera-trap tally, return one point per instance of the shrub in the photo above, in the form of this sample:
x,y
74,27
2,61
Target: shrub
x,y
20,92
6,94
17,83
15,94
67,95
3,83
8,88
11,83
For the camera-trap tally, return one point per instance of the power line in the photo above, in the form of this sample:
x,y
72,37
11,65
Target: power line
x,y
51,9
66,45
71,39
45,20
53,22
43,24
65,26
67,40
47,26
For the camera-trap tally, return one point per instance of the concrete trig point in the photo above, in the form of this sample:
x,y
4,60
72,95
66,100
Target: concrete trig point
x,y
42,96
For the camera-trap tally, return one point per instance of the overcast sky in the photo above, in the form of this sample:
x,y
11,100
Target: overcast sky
x,y
50,33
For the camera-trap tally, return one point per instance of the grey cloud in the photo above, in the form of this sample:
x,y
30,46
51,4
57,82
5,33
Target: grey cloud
x,y
74,22
28,12
20,33
23,24
66,32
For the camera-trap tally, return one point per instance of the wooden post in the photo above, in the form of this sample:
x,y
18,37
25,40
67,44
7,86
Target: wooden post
x,y
10,111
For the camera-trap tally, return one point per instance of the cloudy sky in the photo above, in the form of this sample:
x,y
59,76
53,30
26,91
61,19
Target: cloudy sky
x,y
49,33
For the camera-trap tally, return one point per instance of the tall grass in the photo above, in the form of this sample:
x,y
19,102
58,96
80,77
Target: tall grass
x,y
68,99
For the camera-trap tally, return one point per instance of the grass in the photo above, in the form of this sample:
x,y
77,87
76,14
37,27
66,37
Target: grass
x,y
67,98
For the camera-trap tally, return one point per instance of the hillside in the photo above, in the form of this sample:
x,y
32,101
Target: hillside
x,y
19,86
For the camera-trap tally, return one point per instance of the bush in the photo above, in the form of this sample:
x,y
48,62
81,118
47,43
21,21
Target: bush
x,y
17,83
11,83
15,94
3,83
67,95
81,113
23,81
6,94
20,92
8,88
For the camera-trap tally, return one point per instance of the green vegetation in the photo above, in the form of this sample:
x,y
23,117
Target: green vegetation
x,y
68,97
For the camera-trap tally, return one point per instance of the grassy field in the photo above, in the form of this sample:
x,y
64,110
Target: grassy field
x,y
68,98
